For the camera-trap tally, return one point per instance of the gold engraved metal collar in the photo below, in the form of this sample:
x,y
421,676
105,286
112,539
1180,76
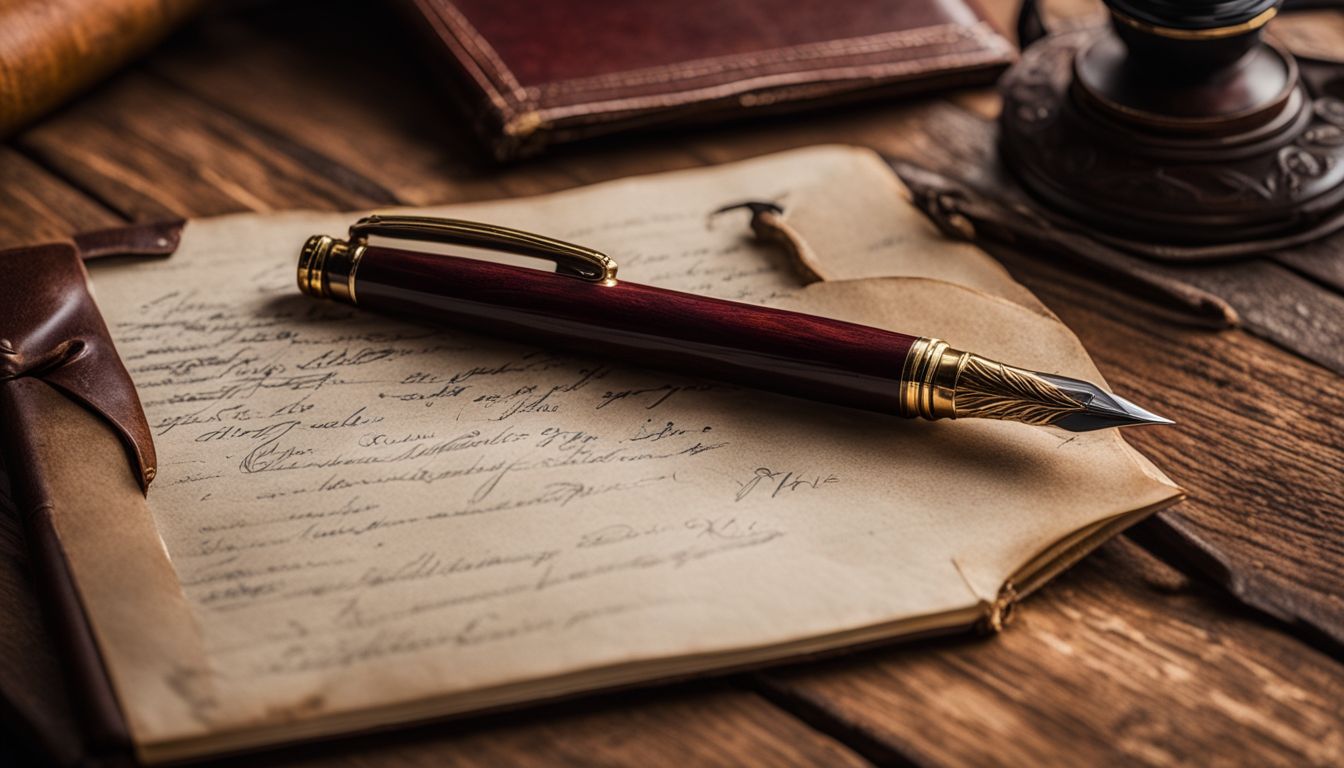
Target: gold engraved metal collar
x,y
938,382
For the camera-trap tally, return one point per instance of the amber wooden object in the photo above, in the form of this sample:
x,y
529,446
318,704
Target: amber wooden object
x,y
51,49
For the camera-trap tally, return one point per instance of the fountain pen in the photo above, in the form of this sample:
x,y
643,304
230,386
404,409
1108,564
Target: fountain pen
x,y
580,305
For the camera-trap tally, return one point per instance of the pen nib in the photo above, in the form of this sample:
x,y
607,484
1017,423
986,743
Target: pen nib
x,y
1101,409
941,382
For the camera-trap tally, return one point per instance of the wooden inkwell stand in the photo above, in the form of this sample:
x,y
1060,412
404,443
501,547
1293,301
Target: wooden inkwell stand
x,y
1181,125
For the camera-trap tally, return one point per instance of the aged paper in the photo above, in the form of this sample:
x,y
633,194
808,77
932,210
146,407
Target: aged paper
x,y
374,520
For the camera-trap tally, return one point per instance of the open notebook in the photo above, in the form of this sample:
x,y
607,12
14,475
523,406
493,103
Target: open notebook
x,y
367,522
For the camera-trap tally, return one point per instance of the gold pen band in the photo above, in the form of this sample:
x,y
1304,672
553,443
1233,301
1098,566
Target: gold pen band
x,y
327,268
929,380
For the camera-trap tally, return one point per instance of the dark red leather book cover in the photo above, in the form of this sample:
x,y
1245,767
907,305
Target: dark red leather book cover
x,y
539,73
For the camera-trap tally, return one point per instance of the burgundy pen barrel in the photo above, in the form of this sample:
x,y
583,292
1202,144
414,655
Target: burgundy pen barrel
x,y
789,352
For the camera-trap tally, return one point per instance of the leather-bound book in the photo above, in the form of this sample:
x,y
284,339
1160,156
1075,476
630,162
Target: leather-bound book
x,y
536,74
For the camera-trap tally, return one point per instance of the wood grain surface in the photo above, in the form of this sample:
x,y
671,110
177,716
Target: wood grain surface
x,y
1227,652
699,724
1265,471
1121,662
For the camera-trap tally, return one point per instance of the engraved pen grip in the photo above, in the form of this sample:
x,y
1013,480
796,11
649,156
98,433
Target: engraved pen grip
x,y
813,357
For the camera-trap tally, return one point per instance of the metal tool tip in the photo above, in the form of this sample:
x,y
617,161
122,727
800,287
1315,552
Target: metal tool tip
x,y
1140,415
1102,409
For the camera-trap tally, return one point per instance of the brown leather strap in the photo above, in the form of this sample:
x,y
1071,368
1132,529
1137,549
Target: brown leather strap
x,y
159,238
51,329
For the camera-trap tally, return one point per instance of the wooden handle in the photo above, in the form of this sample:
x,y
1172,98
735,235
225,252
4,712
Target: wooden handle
x,y
812,357
51,49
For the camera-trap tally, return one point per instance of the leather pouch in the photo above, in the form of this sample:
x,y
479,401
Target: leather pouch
x,y
536,74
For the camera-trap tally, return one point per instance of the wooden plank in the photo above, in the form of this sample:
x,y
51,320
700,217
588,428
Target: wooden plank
x,y
36,206
362,98
380,110
1120,662
1280,305
1322,261
150,151
699,724
1259,443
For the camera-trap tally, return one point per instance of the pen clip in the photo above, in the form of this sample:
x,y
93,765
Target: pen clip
x,y
574,260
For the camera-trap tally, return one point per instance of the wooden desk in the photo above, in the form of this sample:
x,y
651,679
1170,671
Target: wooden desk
x,y
1212,633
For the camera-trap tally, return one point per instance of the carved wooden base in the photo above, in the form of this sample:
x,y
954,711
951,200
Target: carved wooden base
x,y
1166,177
